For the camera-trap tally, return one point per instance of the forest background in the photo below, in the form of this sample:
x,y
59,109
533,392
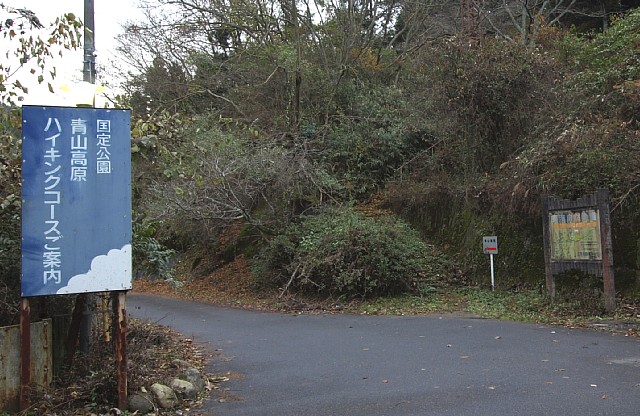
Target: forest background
x,y
357,149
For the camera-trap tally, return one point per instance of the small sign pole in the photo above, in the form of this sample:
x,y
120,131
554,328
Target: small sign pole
x,y
493,281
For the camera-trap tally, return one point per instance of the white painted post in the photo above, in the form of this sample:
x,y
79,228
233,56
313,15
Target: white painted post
x,y
493,282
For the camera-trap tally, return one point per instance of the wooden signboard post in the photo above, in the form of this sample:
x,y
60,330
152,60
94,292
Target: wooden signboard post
x,y
577,236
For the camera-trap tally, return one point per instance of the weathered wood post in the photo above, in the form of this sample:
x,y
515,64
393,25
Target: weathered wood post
x,y
548,270
602,196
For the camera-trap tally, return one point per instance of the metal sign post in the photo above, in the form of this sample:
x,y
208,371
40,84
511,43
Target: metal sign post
x,y
493,280
25,353
120,343
490,247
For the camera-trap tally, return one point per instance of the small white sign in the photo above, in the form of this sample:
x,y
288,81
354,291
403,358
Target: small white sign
x,y
490,245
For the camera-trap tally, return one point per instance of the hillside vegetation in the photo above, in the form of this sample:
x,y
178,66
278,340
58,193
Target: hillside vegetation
x,y
349,159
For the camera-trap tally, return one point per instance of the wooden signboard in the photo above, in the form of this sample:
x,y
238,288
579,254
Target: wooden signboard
x,y
577,236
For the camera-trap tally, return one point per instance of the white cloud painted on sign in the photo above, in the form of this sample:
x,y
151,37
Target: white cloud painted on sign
x,y
112,271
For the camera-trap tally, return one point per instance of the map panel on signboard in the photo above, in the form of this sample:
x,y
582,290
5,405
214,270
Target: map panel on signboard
x,y
575,235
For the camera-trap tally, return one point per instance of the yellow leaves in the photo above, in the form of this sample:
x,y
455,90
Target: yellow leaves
x,y
218,379
83,93
366,58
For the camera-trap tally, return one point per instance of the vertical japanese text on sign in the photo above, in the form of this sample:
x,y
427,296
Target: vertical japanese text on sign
x,y
76,227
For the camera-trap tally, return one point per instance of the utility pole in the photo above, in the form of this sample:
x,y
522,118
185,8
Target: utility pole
x,y
88,75
89,67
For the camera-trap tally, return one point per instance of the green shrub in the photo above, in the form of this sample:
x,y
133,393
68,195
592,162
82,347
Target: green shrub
x,y
10,215
370,140
342,253
150,257
608,60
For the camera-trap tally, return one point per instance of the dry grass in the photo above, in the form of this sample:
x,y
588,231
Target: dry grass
x,y
230,284
89,386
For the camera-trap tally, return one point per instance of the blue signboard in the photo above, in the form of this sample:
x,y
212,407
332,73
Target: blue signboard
x,y
76,200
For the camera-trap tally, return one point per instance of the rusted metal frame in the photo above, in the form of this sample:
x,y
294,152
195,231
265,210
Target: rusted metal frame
x,y
25,353
106,321
120,345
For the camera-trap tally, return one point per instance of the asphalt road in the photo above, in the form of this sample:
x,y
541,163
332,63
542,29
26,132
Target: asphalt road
x,y
308,365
